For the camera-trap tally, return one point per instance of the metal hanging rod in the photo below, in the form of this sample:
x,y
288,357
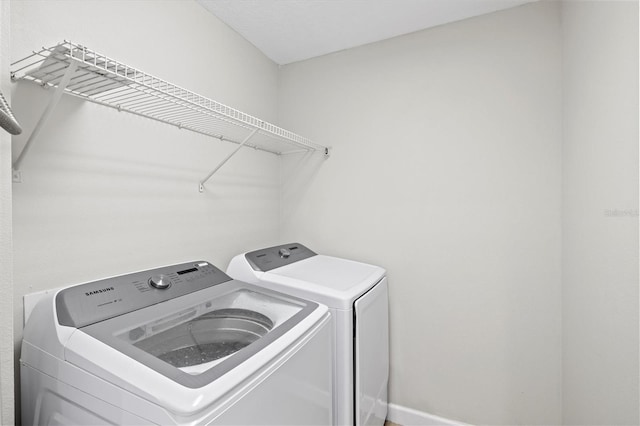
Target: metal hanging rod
x,y
7,119
74,69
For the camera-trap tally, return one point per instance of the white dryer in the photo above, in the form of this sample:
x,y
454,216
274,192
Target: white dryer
x,y
357,296
183,344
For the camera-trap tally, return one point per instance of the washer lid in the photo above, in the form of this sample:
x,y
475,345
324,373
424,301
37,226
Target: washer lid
x,y
330,280
142,351
195,339
136,336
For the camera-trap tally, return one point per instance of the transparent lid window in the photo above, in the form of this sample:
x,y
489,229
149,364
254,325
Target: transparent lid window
x,y
198,338
195,338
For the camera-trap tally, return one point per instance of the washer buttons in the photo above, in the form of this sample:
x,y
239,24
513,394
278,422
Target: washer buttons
x,y
284,253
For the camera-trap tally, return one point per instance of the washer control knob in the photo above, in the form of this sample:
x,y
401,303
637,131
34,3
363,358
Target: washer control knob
x,y
284,253
160,282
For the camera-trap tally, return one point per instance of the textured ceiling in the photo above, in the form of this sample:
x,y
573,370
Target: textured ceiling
x,y
293,30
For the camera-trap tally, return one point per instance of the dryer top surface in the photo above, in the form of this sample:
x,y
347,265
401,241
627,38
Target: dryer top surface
x,y
331,277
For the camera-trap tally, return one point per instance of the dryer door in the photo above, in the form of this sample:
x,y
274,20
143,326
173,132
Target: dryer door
x,y
371,314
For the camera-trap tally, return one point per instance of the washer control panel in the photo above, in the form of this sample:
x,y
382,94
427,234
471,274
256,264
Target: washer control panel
x,y
275,257
96,301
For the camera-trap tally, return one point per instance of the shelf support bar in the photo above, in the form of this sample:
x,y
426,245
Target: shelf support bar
x,y
201,186
53,102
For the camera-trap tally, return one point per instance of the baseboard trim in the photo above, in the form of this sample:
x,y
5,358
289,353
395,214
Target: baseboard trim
x,y
409,417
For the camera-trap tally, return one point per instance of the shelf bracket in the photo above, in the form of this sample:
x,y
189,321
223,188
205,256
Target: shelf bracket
x,y
53,102
203,181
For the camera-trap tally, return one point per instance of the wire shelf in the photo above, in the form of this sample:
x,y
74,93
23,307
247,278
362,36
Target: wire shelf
x,y
103,80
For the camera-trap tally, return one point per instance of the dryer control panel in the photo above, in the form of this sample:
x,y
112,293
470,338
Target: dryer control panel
x,y
96,301
277,256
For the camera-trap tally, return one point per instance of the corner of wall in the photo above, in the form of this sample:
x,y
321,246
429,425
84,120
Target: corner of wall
x,y
600,213
7,404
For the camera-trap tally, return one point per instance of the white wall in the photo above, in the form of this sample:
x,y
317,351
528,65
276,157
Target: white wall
x,y
600,222
446,170
106,193
6,253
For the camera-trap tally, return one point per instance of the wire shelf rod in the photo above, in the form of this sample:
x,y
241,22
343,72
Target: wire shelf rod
x,y
114,93
89,88
173,115
121,96
77,83
162,108
103,80
14,72
195,130
140,103
168,114
50,76
33,53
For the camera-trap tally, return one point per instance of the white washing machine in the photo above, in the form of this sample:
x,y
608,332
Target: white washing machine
x,y
357,296
183,344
